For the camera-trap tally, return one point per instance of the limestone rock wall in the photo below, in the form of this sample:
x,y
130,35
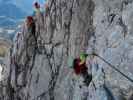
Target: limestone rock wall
x,y
38,67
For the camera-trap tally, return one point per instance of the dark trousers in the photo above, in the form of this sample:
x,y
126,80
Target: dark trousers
x,y
87,77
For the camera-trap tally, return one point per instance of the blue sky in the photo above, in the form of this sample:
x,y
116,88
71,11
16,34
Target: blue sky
x,y
26,5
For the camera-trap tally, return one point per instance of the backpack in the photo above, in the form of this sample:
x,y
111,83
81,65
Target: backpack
x,y
70,62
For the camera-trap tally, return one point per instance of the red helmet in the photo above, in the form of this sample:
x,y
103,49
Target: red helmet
x,y
37,5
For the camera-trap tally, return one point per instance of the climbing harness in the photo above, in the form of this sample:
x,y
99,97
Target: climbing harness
x,y
112,66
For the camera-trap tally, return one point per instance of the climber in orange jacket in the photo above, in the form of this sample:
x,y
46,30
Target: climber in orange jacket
x,y
80,68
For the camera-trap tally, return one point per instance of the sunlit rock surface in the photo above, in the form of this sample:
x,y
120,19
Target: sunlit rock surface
x,y
37,65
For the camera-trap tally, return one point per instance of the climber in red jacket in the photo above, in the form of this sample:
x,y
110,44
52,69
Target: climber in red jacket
x,y
80,68
29,21
30,25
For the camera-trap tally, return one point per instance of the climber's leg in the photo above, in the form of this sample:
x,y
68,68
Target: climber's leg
x,y
87,77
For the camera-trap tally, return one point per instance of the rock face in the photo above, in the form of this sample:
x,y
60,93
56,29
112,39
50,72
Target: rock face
x,y
38,67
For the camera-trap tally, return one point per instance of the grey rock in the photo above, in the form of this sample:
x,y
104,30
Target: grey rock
x,y
40,71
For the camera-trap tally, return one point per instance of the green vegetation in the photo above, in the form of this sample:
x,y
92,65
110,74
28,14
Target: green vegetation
x,y
3,50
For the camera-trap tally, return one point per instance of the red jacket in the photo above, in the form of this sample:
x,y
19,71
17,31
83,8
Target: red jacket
x,y
79,68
